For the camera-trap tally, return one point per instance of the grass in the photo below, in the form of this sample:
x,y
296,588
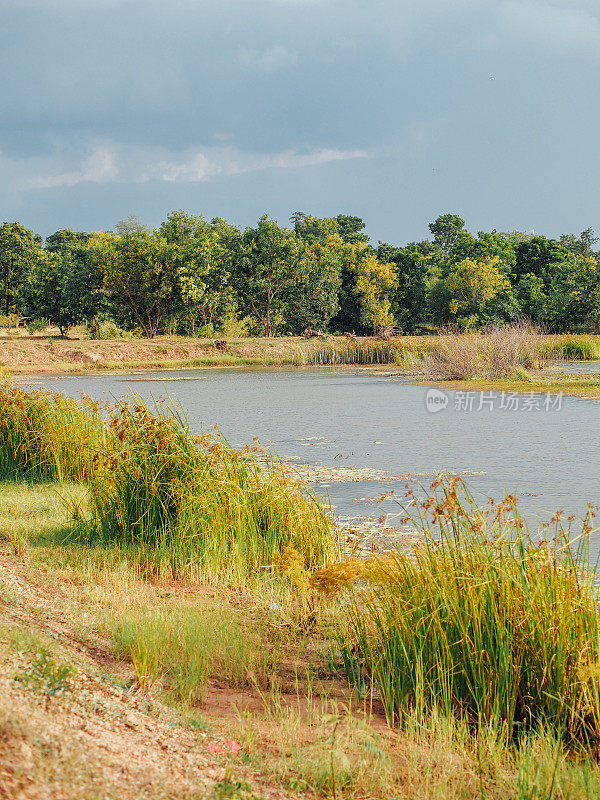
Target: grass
x,y
480,622
186,645
194,505
492,353
182,504
310,740
46,436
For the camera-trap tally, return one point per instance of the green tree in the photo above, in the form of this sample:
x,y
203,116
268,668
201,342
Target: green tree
x,y
62,288
471,286
538,256
202,255
66,240
574,302
314,230
273,262
139,276
19,249
409,303
446,230
350,229
582,245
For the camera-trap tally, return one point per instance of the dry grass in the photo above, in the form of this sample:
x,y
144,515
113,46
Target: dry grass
x,y
493,353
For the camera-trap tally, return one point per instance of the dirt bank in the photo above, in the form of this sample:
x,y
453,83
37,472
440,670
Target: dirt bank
x,y
21,354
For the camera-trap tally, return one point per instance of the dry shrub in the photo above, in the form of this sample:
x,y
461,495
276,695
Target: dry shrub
x,y
495,352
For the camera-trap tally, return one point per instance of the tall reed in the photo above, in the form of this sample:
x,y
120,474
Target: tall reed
x,y
194,505
340,351
495,352
45,436
480,620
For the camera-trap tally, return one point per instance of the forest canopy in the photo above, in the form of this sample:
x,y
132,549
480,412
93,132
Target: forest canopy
x,y
192,276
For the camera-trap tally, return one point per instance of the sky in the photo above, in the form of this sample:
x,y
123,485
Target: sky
x,y
392,110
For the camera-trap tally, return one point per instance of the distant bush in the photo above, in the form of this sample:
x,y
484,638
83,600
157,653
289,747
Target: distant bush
x,y
496,352
106,329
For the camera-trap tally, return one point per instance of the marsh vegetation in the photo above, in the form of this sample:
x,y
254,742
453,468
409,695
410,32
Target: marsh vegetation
x,y
202,563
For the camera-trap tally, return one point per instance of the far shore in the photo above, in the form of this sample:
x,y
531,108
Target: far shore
x,y
50,354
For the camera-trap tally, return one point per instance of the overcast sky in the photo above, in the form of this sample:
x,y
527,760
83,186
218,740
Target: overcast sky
x,y
392,110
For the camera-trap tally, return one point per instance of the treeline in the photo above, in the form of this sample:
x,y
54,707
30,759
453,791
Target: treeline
x,y
194,277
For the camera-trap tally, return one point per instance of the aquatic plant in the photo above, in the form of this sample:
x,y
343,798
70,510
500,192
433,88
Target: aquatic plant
x,y
45,436
480,620
193,504
337,351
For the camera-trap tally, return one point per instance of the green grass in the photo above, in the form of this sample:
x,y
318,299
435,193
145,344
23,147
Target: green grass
x,y
182,505
45,436
194,506
480,621
187,644
575,348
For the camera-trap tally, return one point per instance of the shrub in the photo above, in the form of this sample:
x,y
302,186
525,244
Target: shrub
x,y
479,621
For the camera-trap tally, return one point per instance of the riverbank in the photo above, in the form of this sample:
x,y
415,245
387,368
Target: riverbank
x,y
86,711
446,356
165,599
22,355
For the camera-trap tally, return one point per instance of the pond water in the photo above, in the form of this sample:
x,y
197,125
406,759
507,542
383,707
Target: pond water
x,y
577,367
545,451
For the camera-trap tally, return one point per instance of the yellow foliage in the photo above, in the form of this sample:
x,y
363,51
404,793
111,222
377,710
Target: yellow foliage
x,y
375,282
474,283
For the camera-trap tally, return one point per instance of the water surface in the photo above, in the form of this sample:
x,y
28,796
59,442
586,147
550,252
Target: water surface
x,y
550,458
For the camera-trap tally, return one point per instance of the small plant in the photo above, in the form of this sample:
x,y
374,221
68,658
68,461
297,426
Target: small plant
x,y
231,788
46,676
187,646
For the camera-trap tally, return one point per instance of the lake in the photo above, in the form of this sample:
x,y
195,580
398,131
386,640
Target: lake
x,y
546,452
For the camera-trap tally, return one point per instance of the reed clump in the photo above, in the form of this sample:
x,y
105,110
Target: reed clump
x,y
495,352
45,436
193,505
334,352
575,348
480,621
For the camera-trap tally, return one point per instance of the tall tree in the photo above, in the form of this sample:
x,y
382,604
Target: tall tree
x,y
409,299
63,288
140,277
446,230
273,260
350,229
202,255
472,285
19,249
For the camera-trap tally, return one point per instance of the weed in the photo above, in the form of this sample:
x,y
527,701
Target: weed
x,y
45,675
